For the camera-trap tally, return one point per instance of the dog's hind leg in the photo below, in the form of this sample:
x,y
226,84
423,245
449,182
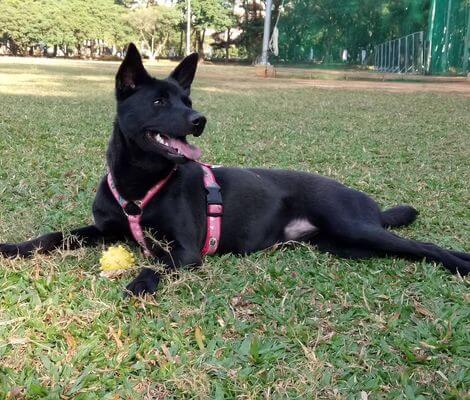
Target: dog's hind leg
x,y
86,236
329,245
398,216
390,244
460,254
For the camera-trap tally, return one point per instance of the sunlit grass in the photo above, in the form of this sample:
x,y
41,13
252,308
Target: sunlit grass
x,y
287,324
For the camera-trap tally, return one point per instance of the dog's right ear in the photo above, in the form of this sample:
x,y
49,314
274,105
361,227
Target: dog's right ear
x,y
185,71
131,73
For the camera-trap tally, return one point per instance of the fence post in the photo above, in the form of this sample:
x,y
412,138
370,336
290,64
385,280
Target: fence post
x,y
382,57
445,53
385,56
406,54
376,58
422,67
389,55
467,46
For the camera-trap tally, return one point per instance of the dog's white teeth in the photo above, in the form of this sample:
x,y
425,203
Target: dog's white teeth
x,y
160,139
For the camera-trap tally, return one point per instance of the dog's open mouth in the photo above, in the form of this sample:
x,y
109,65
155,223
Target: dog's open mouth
x,y
175,146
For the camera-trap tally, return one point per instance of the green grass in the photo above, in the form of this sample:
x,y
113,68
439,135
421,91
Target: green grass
x,y
287,324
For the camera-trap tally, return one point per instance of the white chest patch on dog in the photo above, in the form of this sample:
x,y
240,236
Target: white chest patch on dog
x,y
298,228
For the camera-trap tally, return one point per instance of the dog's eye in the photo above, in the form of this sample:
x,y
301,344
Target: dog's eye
x,y
187,102
160,102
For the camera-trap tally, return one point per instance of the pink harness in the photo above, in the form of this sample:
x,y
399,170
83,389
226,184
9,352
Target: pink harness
x,y
214,211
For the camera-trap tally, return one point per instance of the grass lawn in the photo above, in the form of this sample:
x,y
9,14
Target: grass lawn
x,y
287,324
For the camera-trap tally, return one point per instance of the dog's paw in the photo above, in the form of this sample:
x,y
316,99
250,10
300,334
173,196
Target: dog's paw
x,y
9,250
464,269
145,283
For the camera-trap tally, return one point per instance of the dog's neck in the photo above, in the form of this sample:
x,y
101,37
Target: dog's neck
x,y
134,172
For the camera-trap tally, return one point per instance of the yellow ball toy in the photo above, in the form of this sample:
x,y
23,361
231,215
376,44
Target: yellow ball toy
x,y
115,261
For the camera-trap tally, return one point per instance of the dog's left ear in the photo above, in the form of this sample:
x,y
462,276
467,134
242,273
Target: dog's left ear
x,y
185,71
131,73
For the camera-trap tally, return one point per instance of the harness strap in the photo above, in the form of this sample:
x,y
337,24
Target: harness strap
x,y
133,210
214,212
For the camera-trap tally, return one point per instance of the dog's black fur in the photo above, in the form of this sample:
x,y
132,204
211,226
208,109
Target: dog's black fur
x,y
262,207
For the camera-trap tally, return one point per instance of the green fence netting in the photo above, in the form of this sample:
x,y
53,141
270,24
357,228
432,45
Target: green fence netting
x,y
448,37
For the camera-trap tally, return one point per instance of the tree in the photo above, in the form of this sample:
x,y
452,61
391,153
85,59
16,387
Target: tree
x,y
252,25
207,14
57,23
155,26
328,26
18,24
223,39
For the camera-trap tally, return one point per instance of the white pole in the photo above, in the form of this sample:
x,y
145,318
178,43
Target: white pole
x,y
188,28
267,28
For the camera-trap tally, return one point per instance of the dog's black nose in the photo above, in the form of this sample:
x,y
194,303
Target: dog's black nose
x,y
198,123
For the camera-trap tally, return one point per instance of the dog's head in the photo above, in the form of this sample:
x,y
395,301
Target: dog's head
x,y
157,114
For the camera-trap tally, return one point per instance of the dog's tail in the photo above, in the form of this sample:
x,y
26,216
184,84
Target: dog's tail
x,y
398,216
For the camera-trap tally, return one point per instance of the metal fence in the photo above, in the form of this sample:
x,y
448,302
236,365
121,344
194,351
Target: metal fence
x,y
449,38
403,55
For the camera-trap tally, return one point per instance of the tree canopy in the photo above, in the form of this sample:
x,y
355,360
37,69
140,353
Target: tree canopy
x,y
155,26
327,26
235,27
28,23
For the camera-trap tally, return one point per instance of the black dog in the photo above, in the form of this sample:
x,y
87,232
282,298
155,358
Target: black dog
x,y
262,207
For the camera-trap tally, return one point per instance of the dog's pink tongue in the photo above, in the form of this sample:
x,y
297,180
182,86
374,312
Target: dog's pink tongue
x,y
188,150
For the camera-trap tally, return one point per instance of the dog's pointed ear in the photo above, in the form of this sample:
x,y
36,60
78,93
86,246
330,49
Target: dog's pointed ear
x,y
131,73
185,71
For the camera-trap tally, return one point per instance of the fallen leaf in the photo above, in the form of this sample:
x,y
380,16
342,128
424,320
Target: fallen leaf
x,y
71,345
15,341
427,345
167,353
15,393
394,316
421,310
116,336
199,337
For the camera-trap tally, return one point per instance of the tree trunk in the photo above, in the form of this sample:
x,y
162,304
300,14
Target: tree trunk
x,y
274,15
227,46
161,46
180,48
200,43
13,47
152,48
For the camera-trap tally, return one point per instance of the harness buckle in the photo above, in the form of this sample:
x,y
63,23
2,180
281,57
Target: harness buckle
x,y
133,208
214,201
213,195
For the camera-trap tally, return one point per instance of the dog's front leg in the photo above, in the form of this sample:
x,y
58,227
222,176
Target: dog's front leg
x,y
86,236
148,279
